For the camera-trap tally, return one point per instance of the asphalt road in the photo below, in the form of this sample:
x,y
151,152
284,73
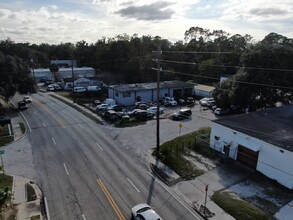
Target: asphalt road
x,y
89,171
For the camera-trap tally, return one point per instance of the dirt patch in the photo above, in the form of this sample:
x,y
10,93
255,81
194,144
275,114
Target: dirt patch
x,y
201,162
263,193
8,212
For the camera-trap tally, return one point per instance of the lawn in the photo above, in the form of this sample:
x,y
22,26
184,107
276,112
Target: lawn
x,y
5,188
239,209
172,152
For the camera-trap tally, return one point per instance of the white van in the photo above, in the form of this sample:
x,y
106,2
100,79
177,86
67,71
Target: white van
x,y
79,89
93,88
110,102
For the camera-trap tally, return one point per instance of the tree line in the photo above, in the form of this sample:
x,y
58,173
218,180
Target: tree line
x,y
261,72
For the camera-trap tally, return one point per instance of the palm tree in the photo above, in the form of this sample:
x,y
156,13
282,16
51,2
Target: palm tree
x,y
54,68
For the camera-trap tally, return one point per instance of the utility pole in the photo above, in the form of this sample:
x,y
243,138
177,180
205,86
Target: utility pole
x,y
159,52
72,78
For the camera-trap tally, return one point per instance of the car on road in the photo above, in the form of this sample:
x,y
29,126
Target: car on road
x,y
144,212
22,105
27,99
153,110
182,114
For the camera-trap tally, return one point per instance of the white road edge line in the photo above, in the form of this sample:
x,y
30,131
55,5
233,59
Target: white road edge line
x,y
53,141
100,147
80,126
47,209
44,124
83,217
175,196
35,113
29,127
65,169
133,185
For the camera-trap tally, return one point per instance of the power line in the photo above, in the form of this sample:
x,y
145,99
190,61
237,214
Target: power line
x,y
238,81
193,52
225,66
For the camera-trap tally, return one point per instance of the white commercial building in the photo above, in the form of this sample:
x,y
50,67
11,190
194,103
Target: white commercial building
x,y
130,93
262,140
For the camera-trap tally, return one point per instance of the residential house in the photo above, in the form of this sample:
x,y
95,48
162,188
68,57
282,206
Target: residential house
x,y
262,140
128,94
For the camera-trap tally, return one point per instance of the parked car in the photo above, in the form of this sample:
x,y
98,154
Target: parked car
x,y
110,102
57,87
116,107
181,102
111,115
140,114
169,101
103,107
144,212
123,115
93,88
211,103
190,101
153,110
50,88
203,101
182,114
27,99
143,106
79,89
22,105
97,102
222,111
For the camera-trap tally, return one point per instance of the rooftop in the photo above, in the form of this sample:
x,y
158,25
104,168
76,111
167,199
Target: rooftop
x,y
274,126
150,86
204,87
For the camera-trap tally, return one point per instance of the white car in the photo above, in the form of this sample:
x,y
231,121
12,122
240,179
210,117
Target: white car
x,y
102,107
50,88
27,99
204,101
153,110
144,212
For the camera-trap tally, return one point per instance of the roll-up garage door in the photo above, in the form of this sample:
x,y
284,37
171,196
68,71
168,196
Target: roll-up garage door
x,y
247,156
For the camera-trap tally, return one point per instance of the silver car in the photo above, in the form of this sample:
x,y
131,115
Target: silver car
x,y
144,212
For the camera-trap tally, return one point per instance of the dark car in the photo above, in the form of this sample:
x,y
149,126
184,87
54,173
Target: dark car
x,y
22,105
117,108
111,115
182,114
190,101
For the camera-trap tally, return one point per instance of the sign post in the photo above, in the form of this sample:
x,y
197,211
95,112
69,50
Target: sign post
x,y
180,125
205,199
1,153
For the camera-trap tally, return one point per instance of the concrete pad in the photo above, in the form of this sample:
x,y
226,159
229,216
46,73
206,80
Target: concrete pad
x,y
286,212
19,190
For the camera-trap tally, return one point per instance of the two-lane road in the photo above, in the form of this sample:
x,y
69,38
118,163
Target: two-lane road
x,y
84,172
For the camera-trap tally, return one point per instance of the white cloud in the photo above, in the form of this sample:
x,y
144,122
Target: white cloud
x,y
90,20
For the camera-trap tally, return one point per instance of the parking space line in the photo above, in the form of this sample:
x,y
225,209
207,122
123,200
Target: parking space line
x,y
54,141
65,169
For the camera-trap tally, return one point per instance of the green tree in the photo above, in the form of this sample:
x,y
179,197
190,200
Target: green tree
x,y
54,68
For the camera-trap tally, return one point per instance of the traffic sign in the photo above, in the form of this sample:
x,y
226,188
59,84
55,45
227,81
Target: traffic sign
x,y
180,125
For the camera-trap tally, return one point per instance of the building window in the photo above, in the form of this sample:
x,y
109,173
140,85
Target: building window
x,y
116,94
126,94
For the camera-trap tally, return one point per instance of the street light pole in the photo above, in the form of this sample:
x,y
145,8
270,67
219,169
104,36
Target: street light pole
x,y
72,78
158,99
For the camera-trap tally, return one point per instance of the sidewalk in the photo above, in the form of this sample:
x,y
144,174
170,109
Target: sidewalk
x,y
25,210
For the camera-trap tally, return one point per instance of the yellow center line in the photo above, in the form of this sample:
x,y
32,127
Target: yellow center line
x,y
110,199
51,115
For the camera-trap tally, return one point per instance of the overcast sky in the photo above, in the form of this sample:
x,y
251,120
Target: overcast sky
x,y
55,21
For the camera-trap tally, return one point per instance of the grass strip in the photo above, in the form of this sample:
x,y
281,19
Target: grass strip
x,y
30,192
239,209
22,127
